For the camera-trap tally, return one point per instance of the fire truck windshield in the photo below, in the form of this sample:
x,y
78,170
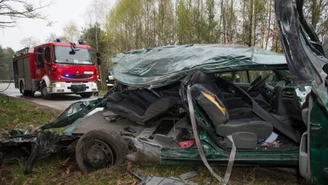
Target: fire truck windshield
x,y
63,54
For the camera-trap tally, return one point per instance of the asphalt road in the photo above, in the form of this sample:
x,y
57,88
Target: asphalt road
x,y
59,102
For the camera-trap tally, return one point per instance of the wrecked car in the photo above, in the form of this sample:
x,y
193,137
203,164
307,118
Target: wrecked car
x,y
210,103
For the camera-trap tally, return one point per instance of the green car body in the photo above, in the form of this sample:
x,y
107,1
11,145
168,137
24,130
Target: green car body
x,y
307,63
160,67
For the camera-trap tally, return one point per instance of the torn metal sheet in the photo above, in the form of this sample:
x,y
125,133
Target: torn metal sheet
x,y
188,175
302,93
74,112
302,47
160,180
144,151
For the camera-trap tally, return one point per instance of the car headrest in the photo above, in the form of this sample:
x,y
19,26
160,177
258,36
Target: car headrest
x,y
200,77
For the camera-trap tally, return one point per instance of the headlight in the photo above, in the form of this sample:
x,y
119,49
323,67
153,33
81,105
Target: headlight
x,y
57,85
93,85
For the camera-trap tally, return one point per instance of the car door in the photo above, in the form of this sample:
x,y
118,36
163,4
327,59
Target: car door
x,y
308,64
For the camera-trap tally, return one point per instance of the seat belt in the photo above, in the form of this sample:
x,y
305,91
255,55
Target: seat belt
x,y
200,149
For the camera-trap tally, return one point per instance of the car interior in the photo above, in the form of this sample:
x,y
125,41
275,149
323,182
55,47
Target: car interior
x,y
250,120
248,105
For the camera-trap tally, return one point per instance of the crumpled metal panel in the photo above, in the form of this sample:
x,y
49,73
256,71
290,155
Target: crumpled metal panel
x,y
302,93
302,47
153,180
164,65
74,112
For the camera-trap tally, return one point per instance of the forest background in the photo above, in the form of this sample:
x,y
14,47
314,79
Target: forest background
x,y
136,24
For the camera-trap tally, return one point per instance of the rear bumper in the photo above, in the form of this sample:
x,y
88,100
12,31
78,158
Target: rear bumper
x,y
72,87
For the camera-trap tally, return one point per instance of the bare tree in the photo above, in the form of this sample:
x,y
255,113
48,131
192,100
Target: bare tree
x,y
52,37
12,10
71,32
29,42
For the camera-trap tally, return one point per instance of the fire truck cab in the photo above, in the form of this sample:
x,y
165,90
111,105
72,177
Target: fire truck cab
x,y
56,68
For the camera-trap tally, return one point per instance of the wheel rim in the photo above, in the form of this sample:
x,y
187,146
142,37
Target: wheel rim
x,y
97,154
44,91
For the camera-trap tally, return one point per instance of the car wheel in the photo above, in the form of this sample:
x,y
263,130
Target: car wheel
x,y
99,149
86,95
44,92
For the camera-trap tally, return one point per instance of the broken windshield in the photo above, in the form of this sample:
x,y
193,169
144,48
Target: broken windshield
x,y
63,54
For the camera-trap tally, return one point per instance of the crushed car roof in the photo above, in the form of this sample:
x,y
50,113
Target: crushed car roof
x,y
164,65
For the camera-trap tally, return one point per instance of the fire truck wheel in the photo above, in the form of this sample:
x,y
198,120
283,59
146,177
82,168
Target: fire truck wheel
x,y
32,93
98,149
44,92
21,89
86,95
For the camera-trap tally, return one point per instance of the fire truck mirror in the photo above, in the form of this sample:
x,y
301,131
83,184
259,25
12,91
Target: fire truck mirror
x,y
98,54
39,61
39,57
47,55
40,50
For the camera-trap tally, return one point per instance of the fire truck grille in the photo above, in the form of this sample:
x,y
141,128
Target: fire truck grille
x,y
77,76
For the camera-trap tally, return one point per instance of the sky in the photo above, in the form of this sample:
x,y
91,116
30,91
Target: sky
x,y
60,12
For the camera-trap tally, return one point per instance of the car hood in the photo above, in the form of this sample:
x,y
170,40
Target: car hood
x,y
164,65
303,49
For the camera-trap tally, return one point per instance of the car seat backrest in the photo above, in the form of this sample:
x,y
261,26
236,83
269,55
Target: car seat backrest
x,y
130,106
204,79
210,103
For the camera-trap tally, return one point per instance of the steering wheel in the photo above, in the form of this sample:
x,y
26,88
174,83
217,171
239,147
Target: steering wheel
x,y
257,83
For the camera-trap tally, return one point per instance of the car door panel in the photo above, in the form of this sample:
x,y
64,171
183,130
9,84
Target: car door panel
x,y
307,63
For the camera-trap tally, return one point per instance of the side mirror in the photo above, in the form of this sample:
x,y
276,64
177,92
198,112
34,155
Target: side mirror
x,y
98,61
98,54
40,49
48,56
40,57
39,60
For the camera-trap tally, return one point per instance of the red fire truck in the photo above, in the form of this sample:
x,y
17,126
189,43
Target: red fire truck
x,y
56,68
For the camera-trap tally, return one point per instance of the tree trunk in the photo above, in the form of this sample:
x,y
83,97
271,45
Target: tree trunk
x,y
269,24
250,14
223,17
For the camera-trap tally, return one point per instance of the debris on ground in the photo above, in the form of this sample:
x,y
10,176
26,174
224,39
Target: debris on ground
x,y
153,180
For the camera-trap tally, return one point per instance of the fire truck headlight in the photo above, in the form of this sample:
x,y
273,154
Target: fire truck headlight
x,y
93,85
58,85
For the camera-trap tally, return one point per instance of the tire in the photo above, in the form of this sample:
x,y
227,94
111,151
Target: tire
x,y
22,91
86,95
44,92
99,149
31,93
21,87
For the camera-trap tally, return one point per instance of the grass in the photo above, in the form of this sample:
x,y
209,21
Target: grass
x,y
62,169
16,113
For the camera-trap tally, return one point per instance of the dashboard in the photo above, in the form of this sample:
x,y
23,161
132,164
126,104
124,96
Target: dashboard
x,y
282,98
